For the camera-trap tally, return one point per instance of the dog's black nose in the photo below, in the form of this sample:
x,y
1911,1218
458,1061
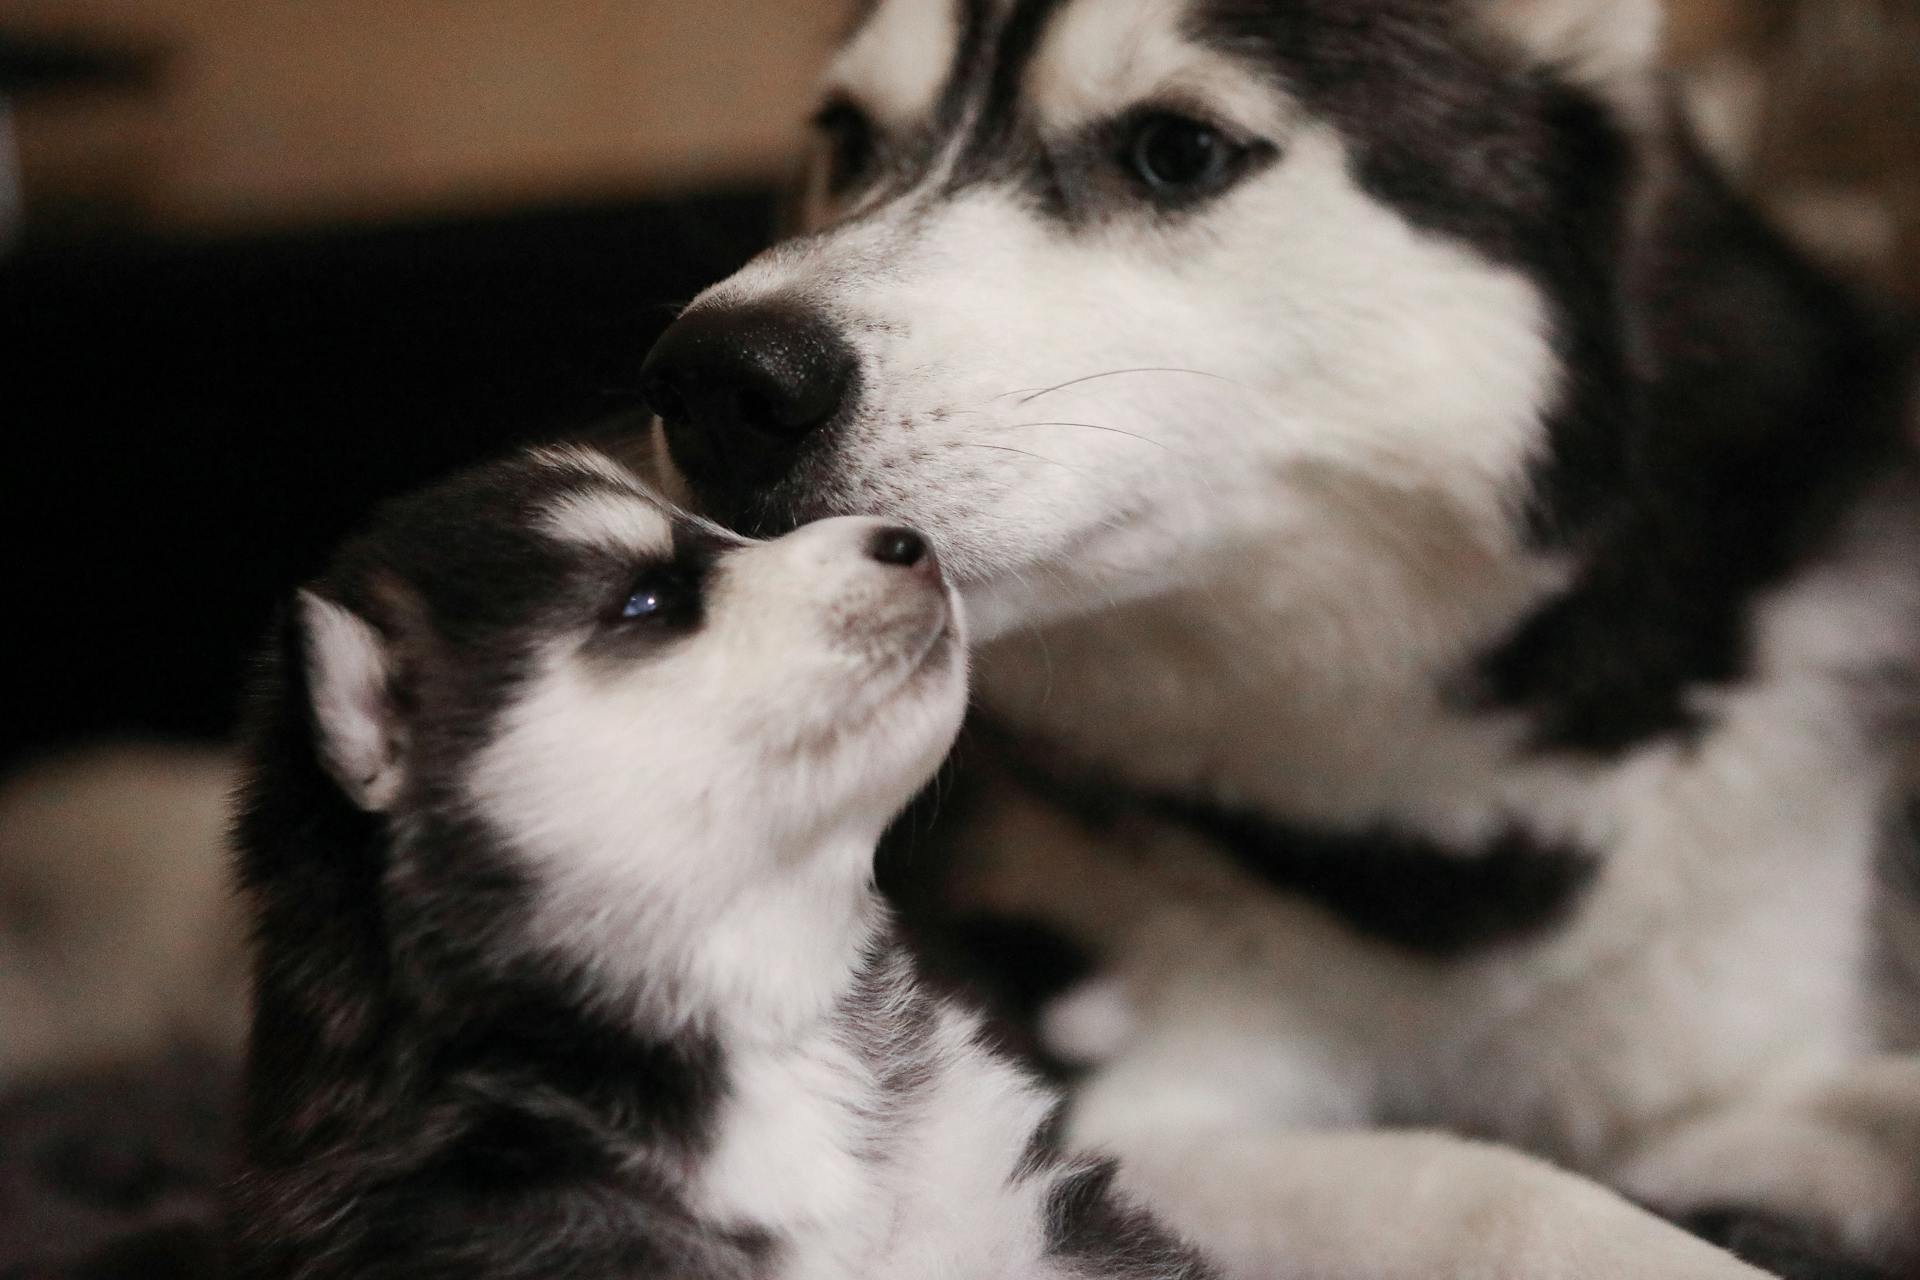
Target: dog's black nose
x,y
739,390
903,547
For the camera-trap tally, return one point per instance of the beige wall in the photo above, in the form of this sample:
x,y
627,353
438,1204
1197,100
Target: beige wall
x,y
1815,106
289,110
275,111
283,111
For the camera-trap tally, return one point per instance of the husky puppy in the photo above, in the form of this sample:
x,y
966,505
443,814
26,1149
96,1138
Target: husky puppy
x,y
1446,568
558,834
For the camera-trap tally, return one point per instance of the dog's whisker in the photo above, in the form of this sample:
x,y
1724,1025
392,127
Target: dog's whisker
x,y
1025,453
1030,394
1039,633
1186,456
1094,426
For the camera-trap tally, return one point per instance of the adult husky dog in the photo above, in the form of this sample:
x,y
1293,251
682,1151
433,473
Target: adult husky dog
x,y
1448,580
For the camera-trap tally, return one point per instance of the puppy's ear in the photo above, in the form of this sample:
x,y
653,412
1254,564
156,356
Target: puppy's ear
x,y
349,680
1612,46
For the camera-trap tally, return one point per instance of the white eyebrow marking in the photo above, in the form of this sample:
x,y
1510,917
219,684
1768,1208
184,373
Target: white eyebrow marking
x,y
897,63
1097,60
625,523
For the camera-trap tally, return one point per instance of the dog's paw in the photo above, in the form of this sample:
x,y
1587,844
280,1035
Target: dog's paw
x,y
1375,1205
1786,1249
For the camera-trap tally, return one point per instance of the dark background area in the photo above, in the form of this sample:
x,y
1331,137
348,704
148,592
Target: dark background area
x,y
190,426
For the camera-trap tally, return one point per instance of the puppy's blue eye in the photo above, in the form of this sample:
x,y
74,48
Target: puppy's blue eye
x,y
659,594
643,604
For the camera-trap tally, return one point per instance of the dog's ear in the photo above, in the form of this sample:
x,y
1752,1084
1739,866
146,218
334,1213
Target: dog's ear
x,y
1609,45
349,680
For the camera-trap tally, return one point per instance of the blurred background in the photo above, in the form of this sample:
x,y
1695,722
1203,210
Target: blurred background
x,y
260,264
263,264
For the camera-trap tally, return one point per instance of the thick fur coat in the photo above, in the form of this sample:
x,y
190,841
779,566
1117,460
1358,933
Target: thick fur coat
x,y
557,838
1446,565
1678,680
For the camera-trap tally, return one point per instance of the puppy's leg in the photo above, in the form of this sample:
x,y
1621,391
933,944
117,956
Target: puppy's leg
x,y
1826,1168
1402,1206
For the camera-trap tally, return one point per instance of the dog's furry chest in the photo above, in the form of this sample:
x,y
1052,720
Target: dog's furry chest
x,y
1721,938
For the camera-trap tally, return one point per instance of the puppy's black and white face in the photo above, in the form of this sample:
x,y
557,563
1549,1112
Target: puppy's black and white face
x,y
1102,292
651,717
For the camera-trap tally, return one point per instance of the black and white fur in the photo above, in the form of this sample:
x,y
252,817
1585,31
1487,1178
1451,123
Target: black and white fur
x,y
1448,570
568,960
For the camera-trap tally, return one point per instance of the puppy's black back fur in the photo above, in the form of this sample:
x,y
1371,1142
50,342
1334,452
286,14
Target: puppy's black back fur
x,y
418,1102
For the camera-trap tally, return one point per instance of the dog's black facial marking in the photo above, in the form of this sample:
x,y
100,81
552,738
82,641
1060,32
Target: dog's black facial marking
x,y
1466,142
980,133
998,116
972,64
1720,400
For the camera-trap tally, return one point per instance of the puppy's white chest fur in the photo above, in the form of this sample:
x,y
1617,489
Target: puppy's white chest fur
x,y
902,1162
790,1149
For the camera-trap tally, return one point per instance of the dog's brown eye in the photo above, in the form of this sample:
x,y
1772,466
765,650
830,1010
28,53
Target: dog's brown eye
x,y
1176,159
851,144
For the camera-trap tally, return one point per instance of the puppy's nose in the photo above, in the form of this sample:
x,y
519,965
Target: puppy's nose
x,y
902,547
899,547
739,390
